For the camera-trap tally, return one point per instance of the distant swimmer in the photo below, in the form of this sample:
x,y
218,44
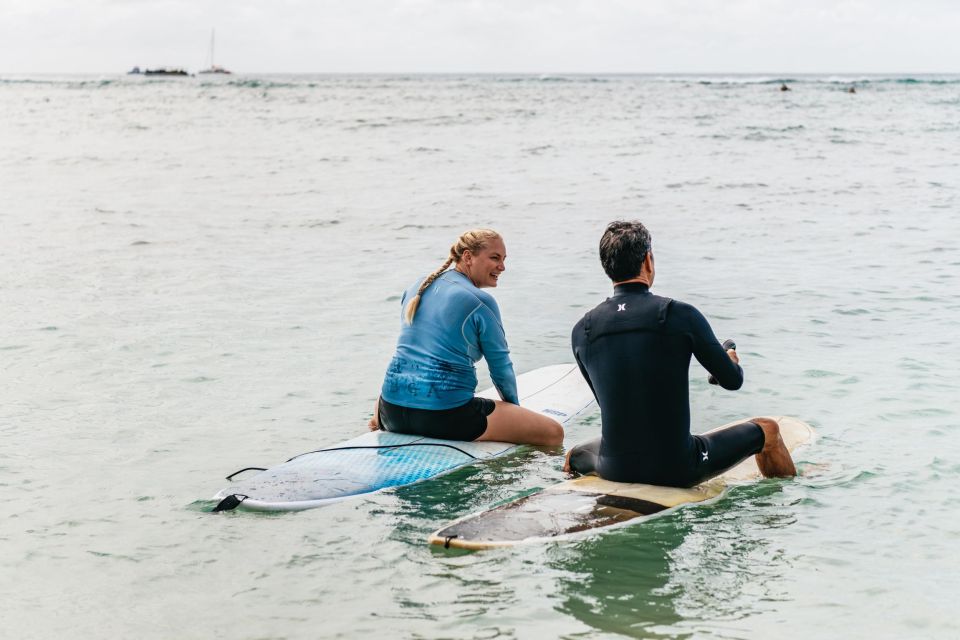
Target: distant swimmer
x,y
851,90
784,87
634,350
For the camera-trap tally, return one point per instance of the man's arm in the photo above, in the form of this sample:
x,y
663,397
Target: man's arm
x,y
578,342
710,353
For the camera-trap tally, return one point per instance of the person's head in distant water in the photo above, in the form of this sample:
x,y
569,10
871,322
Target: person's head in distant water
x,y
626,252
478,254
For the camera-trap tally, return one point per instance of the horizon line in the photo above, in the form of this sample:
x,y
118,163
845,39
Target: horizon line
x,y
518,73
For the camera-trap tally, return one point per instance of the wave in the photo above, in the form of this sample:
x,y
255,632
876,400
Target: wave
x,y
545,78
255,83
71,83
859,80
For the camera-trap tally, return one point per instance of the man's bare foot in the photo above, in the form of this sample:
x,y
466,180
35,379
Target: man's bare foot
x,y
566,461
774,459
372,425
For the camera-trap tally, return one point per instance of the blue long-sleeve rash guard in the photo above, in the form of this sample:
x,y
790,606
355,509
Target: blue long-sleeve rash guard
x,y
456,324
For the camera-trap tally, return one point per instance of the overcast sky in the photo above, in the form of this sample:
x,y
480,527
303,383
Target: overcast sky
x,y
256,36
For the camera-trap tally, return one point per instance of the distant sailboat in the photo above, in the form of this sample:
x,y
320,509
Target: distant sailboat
x,y
213,67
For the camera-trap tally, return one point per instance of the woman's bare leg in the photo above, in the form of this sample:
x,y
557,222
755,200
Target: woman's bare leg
x,y
512,423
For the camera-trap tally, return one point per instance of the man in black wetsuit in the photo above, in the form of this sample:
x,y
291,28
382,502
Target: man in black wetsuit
x,y
634,350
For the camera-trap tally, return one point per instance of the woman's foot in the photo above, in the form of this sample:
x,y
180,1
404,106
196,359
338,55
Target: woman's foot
x,y
374,424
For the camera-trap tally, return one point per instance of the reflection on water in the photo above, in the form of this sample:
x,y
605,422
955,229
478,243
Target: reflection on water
x,y
619,582
465,490
679,575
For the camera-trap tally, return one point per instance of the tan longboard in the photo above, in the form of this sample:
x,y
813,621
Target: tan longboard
x,y
589,503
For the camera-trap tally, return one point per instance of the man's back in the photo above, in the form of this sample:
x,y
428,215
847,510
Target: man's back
x,y
634,349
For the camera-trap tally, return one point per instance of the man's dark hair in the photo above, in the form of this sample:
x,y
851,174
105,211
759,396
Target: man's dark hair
x,y
623,247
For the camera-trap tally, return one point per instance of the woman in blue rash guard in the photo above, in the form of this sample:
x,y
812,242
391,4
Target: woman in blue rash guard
x,y
447,324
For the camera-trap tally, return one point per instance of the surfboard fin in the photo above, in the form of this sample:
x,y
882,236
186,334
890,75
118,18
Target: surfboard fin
x,y
229,503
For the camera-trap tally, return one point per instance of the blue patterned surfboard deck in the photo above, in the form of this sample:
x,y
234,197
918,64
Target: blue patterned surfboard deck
x,y
379,460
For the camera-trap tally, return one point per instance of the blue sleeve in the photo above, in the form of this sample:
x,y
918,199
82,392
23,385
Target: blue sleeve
x,y
493,345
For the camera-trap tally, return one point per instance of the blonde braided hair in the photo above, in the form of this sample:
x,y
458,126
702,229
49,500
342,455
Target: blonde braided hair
x,y
473,241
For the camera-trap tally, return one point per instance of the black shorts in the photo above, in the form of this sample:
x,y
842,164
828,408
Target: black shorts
x,y
466,422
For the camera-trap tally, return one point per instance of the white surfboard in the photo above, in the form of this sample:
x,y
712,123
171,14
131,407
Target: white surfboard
x,y
589,503
378,460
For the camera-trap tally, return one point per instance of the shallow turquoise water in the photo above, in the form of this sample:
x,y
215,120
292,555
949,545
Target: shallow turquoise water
x,y
202,275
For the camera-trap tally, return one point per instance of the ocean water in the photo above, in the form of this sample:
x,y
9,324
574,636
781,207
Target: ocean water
x,y
203,274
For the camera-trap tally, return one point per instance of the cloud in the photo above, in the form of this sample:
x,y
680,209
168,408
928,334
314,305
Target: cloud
x,y
484,35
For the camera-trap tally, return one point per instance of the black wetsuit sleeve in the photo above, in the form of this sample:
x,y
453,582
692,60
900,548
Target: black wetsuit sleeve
x,y
578,341
710,353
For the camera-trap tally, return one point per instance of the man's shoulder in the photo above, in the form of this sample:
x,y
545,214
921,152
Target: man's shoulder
x,y
580,329
680,305
683,314
667,310
622,303
585,318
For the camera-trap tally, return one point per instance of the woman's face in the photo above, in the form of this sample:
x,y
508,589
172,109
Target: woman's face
x,y
484,267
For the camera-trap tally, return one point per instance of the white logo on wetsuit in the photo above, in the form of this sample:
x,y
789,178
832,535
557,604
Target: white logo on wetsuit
x,y
622,307
705,454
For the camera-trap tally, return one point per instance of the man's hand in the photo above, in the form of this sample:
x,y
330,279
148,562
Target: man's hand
x,y
731,353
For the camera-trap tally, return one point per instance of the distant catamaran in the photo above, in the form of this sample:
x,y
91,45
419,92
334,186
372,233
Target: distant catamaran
x,y
213,68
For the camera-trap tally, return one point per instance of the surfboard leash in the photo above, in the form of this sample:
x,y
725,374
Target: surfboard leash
x,y
389,446
236,473
380,446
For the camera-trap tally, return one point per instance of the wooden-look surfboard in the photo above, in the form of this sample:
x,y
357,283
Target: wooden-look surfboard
x,y
589,503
